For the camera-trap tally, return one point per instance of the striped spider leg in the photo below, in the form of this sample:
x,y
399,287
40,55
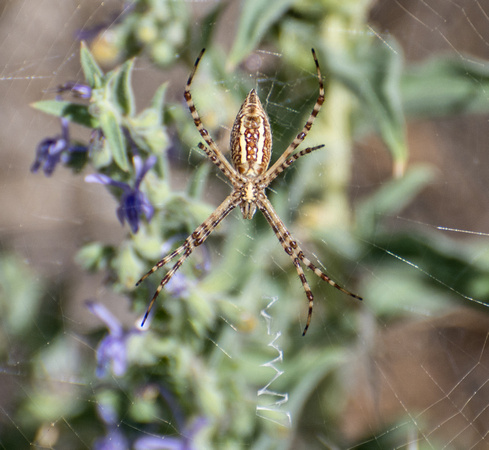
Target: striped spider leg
x,y
249,175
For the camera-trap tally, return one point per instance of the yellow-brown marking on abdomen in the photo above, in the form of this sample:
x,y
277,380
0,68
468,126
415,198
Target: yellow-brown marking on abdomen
x,y
251,138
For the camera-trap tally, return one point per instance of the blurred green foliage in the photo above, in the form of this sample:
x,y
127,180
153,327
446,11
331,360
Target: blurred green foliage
x,y
204,351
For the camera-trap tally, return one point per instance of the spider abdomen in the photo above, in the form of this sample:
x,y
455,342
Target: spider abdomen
x,y
251,138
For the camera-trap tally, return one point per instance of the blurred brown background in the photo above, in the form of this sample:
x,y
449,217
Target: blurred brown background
x,y
46,220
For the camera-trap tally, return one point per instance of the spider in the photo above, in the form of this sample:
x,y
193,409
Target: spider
x,y
251,144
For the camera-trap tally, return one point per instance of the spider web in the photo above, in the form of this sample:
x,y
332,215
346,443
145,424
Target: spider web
x,y
420,381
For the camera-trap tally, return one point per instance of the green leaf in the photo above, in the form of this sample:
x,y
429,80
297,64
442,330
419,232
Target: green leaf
x,y
209,22
94,256
74,112
373,73
445,85
198,181
403,289
128,265
115,138
119,83
420,270
147,128
20,297
158,103
309,371
93,73
146,135
256,18
101,156
391,198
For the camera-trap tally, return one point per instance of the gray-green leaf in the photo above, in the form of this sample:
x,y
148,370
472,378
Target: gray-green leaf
x,y
72,111
256,17
114,138
446,85
93,73
119,82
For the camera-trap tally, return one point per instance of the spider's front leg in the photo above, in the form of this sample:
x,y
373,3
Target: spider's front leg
x,y
197,238
290,160
277,167
214,153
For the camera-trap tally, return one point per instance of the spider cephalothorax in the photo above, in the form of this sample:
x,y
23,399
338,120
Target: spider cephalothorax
x,y
251,147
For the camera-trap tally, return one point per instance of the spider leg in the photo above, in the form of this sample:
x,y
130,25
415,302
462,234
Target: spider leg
x,y
288,162
212,156
225,166
293,249
197,238
307,290
273,171
325,277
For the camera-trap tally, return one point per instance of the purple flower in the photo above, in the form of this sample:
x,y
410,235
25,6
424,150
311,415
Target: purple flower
x,y
114,439
178,286
183,442
186,439
52,150
133,203
112,350
79,90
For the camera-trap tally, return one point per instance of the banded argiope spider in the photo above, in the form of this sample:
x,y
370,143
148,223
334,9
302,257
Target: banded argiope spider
x,y
251,144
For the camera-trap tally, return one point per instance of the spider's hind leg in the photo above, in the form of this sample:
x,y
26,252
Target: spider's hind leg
x,y
293,249
186,248
162,262
307,290
325,277
197,238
